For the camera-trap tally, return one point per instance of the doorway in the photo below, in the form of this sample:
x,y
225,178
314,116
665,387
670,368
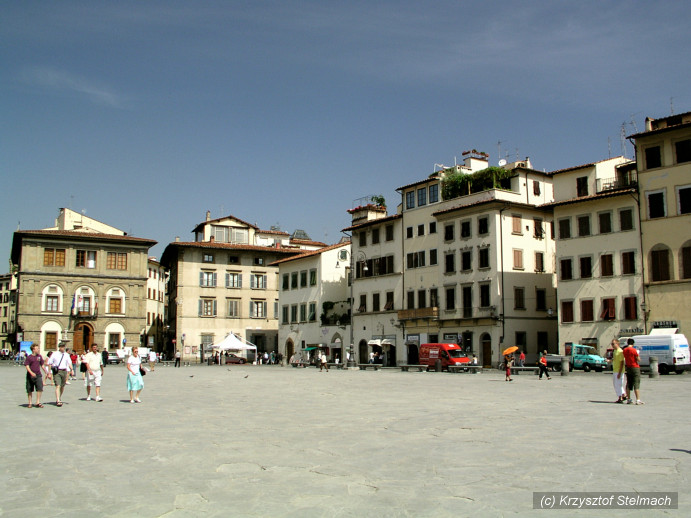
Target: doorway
x,y
83,337
413,355
486,343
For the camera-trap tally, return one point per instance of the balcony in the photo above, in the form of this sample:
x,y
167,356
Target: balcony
x,y
623,181
421,313
85,315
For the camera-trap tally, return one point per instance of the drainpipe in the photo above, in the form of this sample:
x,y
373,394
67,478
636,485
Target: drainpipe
x,y
637,198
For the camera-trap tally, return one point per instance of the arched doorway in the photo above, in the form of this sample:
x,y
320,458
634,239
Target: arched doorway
x,y
363,354
83,337
290,350
413,354
486,344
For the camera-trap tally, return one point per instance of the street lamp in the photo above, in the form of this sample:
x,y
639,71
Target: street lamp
x,y
360,257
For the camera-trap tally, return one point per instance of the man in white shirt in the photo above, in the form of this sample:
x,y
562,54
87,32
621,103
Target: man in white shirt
x,y
94,372
152,360
61,364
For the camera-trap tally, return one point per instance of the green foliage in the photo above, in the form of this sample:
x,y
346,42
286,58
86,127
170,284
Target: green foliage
x,y
378,199
460,184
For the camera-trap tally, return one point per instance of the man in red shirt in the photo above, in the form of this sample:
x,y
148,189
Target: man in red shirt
x,y
633,372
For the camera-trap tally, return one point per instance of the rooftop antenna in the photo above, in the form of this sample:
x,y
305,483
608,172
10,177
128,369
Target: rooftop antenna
x,y
671,105
499,148
517,155
622,136
633,122
441,166
609,147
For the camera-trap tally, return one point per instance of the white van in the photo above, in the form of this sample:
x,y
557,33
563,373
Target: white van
x,y
672,351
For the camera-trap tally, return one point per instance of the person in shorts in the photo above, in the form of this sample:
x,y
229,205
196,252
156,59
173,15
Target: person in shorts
x,y
35,366
633,372
94,372
61,365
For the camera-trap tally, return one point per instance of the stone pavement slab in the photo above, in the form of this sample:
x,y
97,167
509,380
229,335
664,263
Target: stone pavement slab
x,y
276,441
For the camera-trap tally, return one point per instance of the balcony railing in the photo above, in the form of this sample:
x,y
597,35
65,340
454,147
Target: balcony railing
x,y
411,314
630,179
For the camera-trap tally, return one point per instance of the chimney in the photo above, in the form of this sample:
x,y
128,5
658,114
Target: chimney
x,y
208,215
177,239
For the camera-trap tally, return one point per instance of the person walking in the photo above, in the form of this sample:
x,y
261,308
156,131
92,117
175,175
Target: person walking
x,y
618,371
94,372
542,364
135,382
82,365
633,372
35,366
521,359
177,358
322,362
152,361
61,365
508,360
74,359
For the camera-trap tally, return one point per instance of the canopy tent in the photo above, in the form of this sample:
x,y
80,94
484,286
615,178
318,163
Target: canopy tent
x,y
233,343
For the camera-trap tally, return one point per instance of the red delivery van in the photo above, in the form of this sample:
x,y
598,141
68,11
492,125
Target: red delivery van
x,y
449,354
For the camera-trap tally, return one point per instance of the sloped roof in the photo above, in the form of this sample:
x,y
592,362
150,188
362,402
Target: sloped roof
x,y
309,253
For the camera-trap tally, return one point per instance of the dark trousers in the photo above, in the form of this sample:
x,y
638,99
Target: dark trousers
x,y
177,362
543,369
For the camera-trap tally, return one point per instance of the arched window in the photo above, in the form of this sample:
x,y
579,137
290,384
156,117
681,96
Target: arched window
x,y
115,301
659,263
51,299
83,302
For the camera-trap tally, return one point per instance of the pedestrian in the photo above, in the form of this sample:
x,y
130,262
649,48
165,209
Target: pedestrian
x,y
542,364
35,366
104,357
49,378
61,367
82,366
633,372
74,359
152,360
135,382
521,359
322,362
473,361
177,358
94,372
618,371
508,360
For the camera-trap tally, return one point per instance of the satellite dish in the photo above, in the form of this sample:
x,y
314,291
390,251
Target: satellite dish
x,y
502,162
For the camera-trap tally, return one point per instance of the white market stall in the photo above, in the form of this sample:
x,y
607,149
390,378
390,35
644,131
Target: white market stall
x,y
233,344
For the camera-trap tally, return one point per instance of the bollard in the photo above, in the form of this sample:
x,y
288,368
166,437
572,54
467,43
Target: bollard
x,y
437,366
653,367
565,365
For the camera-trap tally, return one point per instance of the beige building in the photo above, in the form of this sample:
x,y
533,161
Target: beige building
x,y
663,158
598,255
155,306
222,282
82,282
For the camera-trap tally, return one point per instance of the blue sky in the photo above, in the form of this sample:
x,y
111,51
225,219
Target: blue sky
x,y
147,114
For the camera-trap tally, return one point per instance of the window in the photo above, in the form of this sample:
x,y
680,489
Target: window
x,y
234,308
448,233
630,308
303,312
433,298
363,303
207,279
303,279
313,277
257,309
582,186
433,257
539,262
516,224
294,313
466,260
583,226
362,237
114,340
375,302
656,204
258,281
686,262
567,311
659,265
116,261
409,232
389,301
450,298
605,220
233,259
410,299
410,200
566,271
465,229
682,150
258,261
285,310
312,312
586,266
540,299
483,226
54,257
449,263
684,199
52,303
421,299
626,219
517,259
421,196
416,259
389,232
564,228
587,314
294,281
375,236
606,265
207,258
51,340
433,193
286,282
483,257
536,188
433,227
467,295
484,295
608,309
115,305
85,259
421,230
539,231
518,298
628,263
233,280
653,157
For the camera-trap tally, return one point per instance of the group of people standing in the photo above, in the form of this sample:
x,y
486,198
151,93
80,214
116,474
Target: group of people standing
x,y
61,366
626,359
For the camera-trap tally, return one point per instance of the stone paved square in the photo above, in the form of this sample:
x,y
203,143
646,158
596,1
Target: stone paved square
x,y
277,441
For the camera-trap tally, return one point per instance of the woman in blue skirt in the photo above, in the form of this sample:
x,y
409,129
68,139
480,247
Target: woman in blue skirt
x,y
135,383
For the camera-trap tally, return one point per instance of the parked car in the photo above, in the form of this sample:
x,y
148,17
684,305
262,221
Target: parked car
x,y
234,358
113,358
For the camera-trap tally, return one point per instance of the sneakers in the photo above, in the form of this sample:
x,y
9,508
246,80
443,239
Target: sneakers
x,y
131,400
639,402
629,402
68,383
137,400
88,398
99,398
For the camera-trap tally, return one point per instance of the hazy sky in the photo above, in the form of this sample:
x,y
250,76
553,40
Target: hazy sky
x,y
147,114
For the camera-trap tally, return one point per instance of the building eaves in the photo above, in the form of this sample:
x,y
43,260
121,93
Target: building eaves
x,y
229,216
307,242
372,222
487,202
309,254
432,177
661,130
582,199
577,167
